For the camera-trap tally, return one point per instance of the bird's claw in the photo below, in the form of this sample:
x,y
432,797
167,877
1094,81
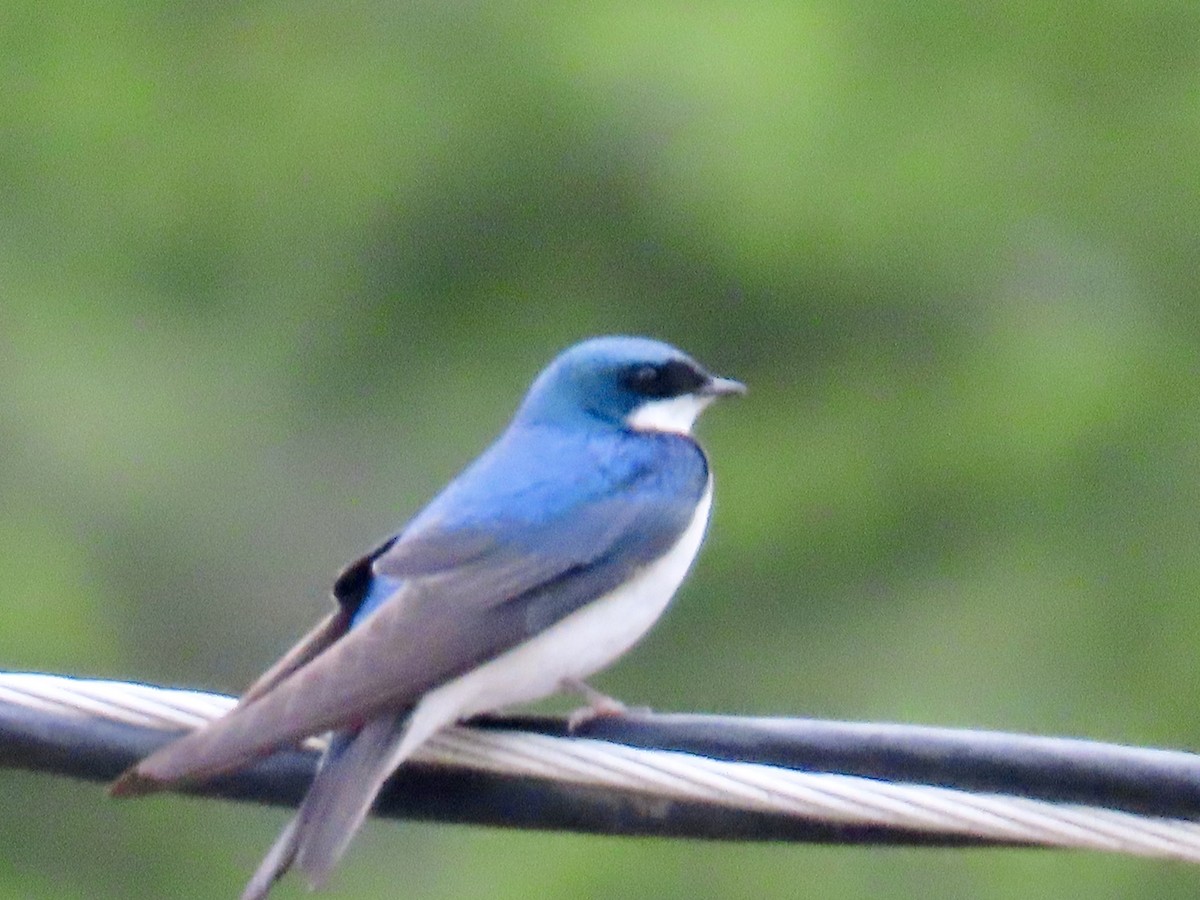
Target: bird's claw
x,y
599,706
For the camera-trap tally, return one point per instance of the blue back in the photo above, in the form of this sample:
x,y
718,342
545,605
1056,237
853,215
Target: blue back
x,y
571,495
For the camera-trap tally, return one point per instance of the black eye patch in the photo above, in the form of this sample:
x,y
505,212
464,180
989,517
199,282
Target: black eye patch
x,y
670,379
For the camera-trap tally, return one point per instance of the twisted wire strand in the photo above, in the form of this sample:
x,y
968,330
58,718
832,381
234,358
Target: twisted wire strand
x,y
720,784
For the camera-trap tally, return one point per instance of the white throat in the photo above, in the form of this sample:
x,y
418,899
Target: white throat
x,y
674,414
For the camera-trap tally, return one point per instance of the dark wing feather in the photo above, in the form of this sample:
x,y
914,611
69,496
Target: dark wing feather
x,y
455,609
412,557
416,557
308,648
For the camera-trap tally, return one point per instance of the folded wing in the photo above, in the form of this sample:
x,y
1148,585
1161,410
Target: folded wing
x,y
462,599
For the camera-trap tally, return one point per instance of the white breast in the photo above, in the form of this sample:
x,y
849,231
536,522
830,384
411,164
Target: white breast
x,y
575,647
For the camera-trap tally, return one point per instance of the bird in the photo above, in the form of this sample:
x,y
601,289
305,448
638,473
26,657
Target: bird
x,y
540,564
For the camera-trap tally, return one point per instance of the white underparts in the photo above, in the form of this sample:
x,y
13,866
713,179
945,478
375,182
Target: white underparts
x,y
575,647
674,414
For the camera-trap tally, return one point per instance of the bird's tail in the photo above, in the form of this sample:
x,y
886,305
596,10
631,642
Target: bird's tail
x,y
351,774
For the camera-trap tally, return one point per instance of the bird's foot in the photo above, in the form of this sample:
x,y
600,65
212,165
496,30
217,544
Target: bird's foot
x,y
599,705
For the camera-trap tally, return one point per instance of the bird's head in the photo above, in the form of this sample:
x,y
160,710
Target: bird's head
x,y
624,382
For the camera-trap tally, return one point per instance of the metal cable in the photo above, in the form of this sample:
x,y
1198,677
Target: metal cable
x,y
665,776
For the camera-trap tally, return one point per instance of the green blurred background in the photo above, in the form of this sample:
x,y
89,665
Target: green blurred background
x,y
271,273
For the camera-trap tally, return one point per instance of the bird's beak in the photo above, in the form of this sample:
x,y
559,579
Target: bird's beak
x,y
723,387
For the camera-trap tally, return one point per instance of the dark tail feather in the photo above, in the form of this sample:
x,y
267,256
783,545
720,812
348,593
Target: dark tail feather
x,y
277,861
283,852
351,774
345,800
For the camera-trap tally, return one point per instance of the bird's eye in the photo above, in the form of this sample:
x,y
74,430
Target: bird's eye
x,y
671,379
644,380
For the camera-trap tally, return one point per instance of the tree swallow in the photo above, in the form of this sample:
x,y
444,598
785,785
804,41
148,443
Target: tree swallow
x,y
539,565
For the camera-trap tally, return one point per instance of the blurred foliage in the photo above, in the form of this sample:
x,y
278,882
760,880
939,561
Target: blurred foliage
x,y
270,273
